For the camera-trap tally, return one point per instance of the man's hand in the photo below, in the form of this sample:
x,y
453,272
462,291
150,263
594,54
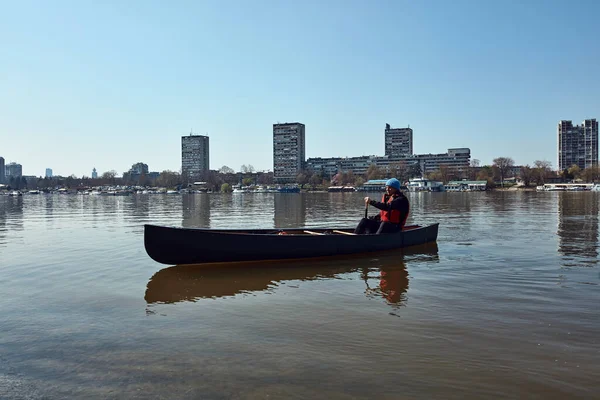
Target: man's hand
x,y
367,200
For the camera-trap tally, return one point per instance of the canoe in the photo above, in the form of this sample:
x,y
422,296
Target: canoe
x,y
169,245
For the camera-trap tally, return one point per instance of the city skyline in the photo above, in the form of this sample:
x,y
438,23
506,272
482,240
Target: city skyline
x,y
461,74
195,150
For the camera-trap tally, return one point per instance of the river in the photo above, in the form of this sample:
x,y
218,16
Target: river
x,y
505,305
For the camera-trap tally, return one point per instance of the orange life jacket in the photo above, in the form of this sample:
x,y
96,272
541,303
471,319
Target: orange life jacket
x,y
392,216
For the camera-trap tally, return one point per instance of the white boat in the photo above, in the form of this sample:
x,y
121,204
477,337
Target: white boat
x,y
596,187
34,192
15,193
424,185
172,192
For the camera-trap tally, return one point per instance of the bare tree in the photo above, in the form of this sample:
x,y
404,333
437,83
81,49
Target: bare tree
x,y
301,179
247,169
169,179
108,175
575,171
473,168
542,170
444,173
526,175
374,172
591,174
504,165
226,170
315,180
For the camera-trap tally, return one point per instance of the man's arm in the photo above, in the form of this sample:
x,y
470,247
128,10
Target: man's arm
x,y
396,204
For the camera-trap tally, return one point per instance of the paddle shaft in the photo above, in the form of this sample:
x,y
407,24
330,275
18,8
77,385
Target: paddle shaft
x,y
367,210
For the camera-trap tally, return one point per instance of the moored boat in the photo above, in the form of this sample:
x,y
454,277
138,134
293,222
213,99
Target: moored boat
x,y
169,245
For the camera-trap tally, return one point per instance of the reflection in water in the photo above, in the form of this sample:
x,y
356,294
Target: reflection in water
x,y
11,215
385,275
392,283
290,210
578,228
195,211
138,208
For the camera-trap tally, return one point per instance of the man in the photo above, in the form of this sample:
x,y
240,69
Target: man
x,y
394,211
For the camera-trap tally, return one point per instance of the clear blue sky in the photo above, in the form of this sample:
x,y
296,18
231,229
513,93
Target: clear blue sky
x,y
106,84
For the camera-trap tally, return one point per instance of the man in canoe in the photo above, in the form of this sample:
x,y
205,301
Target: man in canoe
x,y
394,208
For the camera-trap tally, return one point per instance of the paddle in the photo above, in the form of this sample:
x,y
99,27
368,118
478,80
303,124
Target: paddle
x,y
366,210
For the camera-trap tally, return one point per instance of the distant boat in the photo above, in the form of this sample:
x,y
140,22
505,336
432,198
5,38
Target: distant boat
x,y
15,193
34,192
289,190
172,192
341,189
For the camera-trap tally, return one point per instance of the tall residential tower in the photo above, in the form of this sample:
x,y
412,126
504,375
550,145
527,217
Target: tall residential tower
x,y
577,144
398,141
289,152
194,156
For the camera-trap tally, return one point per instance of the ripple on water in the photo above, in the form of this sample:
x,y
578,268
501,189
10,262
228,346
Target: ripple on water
x,y
503,306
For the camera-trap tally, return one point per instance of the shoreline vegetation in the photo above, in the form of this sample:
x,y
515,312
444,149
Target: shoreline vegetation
x,y
502,175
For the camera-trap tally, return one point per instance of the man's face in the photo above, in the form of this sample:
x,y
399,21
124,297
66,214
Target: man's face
x,y
390,190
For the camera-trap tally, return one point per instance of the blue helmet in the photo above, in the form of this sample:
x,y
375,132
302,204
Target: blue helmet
x,y
395,183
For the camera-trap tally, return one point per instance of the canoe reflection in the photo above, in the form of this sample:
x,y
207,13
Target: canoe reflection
x,y
385,275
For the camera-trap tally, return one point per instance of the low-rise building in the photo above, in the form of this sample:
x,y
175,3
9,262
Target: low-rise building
x,y
457,160
13,170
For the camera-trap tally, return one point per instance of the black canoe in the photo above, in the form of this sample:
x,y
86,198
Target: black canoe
x,y
168,245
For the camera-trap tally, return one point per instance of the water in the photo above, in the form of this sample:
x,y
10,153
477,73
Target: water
x,y
504,306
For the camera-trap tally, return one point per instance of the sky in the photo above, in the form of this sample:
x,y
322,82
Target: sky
x,y
87,84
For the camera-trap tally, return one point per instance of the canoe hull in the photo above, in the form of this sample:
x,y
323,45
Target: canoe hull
x,y
168,245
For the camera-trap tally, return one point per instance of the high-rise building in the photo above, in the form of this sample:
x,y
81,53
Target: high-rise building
x,y
48,172
577,144
398,141
13,170
194,156
94,173
1,169
289,151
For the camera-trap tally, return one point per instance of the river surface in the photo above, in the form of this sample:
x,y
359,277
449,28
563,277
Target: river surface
x,y
504,306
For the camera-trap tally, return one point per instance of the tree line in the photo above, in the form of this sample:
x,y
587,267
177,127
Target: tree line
x,y
225,178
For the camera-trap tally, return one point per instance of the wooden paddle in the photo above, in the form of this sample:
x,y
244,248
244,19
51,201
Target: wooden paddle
x,y
343,233
367,210
313,233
